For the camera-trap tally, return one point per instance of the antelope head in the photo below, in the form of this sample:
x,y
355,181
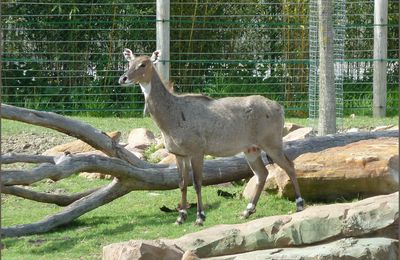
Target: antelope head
x,y
140,68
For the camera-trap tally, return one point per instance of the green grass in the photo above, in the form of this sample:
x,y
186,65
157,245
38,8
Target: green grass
x,y
9,127
363,122
134,216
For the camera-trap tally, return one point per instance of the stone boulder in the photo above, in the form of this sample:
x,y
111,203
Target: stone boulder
x,y
290,127
142,250
362,169
343,249
385,128
300,133
140,138
373,217
170,159
78,146
159,155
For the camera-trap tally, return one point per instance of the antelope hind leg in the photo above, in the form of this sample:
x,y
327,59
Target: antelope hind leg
x,y
253,157
183,169
197,167
286,164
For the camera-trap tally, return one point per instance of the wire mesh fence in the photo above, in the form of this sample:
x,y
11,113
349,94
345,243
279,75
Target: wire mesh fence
x,y
67,57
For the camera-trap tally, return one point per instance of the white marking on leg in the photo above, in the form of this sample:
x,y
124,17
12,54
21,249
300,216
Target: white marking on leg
x,y
182,216
201,214
250,207
257,178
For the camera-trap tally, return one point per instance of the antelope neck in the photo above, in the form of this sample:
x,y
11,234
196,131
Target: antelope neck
x,y
160,102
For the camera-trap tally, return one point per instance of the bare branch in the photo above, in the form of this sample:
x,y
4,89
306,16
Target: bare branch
x,y
58,199
46,170
25,158
83,131
96,199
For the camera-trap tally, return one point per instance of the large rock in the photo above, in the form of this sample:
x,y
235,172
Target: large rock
x,y
159,155
78,146
344,249
385,128
140,138
143,250
365,168
290,127
373,217
170,159
298,134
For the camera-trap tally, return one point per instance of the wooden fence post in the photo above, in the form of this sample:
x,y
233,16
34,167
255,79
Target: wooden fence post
x,y
380,55
163,37
327,92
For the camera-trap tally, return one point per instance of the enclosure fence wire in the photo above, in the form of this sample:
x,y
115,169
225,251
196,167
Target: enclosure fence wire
x,y
339,22
67,57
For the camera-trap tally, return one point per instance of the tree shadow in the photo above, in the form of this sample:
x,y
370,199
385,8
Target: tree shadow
x,y
68,236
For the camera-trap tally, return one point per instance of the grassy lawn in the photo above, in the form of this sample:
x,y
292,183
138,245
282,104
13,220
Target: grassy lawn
x,y
106,124
134,216
9,127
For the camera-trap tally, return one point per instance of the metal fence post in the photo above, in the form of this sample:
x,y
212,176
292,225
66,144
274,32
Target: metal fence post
x,y
163,37
327,93
380,55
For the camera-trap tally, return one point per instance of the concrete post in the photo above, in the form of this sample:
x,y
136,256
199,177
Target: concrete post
x,y
327,92
163,37
380,56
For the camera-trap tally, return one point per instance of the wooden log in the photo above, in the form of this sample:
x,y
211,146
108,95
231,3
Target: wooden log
x,y
215,171
25,158
83,131
96,199
58,199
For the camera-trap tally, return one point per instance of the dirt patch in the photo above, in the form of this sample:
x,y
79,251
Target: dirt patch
x,y
31,143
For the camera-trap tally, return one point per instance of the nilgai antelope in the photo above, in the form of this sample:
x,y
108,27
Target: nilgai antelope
x,y
197,125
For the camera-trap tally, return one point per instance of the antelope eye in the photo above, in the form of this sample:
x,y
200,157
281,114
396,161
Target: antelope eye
x,y
142,65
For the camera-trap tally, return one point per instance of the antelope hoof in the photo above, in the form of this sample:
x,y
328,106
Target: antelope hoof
x,y
246,214
299,204
251,209
182,217
199,222
201,217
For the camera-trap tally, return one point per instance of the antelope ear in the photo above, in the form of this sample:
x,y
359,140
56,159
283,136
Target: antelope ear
x,y
128,54
156,56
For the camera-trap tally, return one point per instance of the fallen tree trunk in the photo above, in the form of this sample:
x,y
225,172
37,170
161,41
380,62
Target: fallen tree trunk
x,y
114,190
130,172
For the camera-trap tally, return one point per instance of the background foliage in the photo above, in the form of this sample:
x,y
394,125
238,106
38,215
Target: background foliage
x,y
66,56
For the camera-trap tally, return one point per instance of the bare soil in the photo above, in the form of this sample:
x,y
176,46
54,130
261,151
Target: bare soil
x,y
31,143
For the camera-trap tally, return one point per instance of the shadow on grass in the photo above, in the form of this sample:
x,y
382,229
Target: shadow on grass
x,y
94,230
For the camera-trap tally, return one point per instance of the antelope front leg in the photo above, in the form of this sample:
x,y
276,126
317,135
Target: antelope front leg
x,y
197,167
183,169
256,164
